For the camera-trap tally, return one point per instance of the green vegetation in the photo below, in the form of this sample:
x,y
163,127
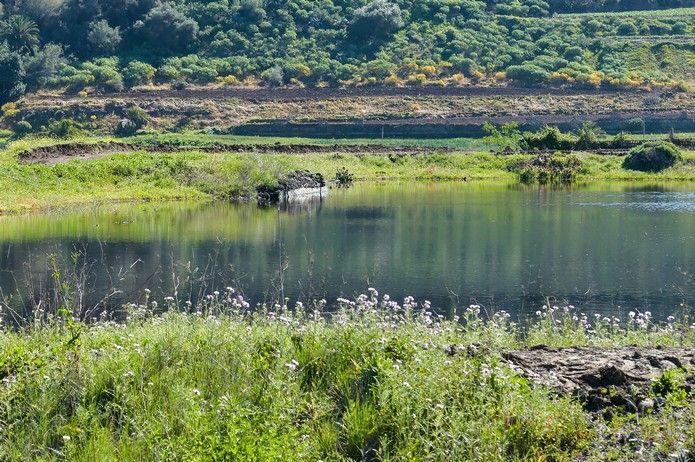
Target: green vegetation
x,y
376,380
652,157
103,46
192,174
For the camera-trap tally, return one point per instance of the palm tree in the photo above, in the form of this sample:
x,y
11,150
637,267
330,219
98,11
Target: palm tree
x,y
20,33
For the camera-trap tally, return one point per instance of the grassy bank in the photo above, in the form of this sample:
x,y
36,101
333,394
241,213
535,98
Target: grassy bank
x,y
375,381
191,174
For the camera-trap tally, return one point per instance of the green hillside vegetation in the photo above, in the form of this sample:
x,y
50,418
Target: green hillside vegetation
x,y
99,45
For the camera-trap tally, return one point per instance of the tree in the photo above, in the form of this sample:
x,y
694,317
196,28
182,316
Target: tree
x,y
11,75
376,20
44,12
166,29
20,33
42,65
103,38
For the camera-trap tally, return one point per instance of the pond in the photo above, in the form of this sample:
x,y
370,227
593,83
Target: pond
x,y
604,248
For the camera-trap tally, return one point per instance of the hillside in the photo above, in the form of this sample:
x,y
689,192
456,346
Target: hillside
x,y
108,46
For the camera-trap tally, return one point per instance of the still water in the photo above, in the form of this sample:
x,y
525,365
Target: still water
x,y
604,248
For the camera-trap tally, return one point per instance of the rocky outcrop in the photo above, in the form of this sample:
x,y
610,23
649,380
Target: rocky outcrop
x,y
602,377
297,185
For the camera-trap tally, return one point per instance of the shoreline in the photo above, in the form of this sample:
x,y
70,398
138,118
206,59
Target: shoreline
x,y
209,167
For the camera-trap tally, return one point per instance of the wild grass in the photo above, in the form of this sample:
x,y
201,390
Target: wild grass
x,y
194,175
374,380
203,139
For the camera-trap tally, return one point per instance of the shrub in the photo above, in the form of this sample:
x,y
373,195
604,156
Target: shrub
x,y
75,80
103,39
465,65
679,28
179,84
588,135
125,127
138,116
548,138
22,128
378,68
273,77
9,110
528,73
105,73
138,73
65,128
652,157
549,169
343,178
166,29
229,80
627,28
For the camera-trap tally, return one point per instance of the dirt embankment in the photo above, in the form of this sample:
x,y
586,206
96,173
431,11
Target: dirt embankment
x,y
604,377
332,112
58,153
275,94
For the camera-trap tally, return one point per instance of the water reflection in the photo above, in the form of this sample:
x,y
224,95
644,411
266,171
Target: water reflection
x,y
605,248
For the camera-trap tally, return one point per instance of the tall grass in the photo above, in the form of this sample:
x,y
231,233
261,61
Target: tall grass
x,y
374,380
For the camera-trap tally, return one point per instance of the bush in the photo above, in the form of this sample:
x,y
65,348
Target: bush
x,y
125,127
652,157
103,39
22,128
65,128
628,28
75,80
135,119
679,28
138,73
166,29
549,169
138,116
273,77
549,138
528,73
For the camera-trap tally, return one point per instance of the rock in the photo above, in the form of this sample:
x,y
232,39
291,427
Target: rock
x,y
300,184
646,405
659,402
602,377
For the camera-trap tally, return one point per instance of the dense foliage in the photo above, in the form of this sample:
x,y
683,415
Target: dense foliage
x,y
375,381
652,157
107,45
